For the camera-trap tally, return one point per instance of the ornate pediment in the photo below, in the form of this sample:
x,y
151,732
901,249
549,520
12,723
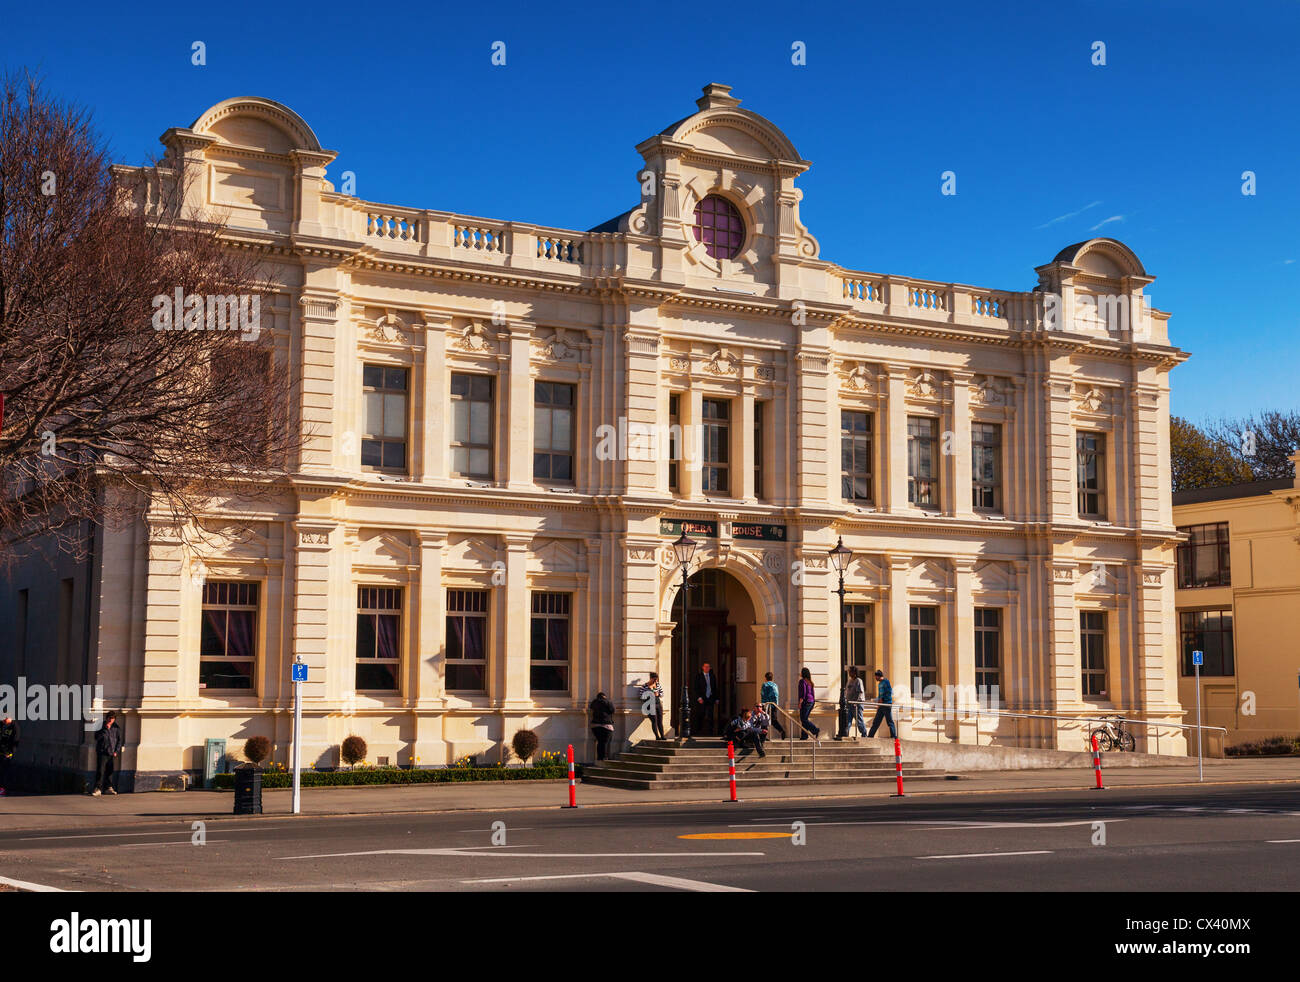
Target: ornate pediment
x,y
563,555
929,574
1092,400
857,377
470,552
987,390
383,548
923,384
723,362
475,338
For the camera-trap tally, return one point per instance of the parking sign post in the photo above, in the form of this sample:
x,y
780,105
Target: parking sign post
x,y
1198,658
299,677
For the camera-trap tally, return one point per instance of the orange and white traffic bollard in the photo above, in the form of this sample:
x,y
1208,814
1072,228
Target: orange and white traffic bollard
x,y
898,768
731,768
573,783
1096,763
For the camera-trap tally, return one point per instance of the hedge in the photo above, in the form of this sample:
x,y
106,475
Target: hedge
x,y
1278,746
393,775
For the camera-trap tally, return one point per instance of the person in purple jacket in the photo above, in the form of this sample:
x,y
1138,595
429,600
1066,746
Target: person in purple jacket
x,y
807,700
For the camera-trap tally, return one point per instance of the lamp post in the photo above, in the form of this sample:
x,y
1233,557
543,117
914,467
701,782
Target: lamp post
x,y
840,557
683,549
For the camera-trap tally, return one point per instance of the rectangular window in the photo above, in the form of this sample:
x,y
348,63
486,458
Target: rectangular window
x,y
467,612
924,622
549,646
1209,631
1204,559
379,637
858,637
471,419
716,434
855,456
553,432
988,650
1092,637
758,450
1091,450
383,444
986,465
228,635
674,441
922,463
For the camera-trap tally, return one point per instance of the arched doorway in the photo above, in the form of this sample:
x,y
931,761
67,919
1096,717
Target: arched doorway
x,y
721,633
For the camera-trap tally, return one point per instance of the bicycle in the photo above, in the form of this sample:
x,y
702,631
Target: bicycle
x,y
1111,735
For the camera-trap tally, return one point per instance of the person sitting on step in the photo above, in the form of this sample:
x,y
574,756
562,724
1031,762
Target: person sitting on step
x,y
742,733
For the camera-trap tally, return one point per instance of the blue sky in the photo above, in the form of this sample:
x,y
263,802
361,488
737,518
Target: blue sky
x,y
891,96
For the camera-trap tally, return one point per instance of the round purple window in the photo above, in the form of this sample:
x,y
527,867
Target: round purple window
x,y
719,226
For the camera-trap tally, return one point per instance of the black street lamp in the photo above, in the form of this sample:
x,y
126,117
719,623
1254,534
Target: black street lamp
x,y
840,557
683,549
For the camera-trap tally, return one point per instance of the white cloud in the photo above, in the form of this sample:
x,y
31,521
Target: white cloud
x,y
1107,221
1062,218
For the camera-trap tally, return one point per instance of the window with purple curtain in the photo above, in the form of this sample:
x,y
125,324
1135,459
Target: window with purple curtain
x,y
466,664
228,635
379,638
549,655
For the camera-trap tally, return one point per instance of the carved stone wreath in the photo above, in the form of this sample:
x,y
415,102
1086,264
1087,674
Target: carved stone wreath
x,y
923,385
722,362
858,378
475,337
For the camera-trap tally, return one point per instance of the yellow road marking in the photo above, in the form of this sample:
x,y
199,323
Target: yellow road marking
x,y
737,835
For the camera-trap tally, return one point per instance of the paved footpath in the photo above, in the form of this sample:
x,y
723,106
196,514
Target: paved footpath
x,y
82,811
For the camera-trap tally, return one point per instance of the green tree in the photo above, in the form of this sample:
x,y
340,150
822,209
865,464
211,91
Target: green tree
x,y
1200,460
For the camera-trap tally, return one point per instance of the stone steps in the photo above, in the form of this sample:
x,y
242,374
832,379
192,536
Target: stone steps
x,y
702,763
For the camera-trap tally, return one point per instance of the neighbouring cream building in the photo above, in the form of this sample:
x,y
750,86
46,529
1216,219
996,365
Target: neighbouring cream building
x,y
1238,597
507,425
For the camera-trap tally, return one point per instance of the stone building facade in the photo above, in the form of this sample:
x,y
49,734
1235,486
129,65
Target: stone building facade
x,y
506,425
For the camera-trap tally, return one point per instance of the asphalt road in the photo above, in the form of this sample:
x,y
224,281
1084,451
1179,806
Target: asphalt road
x,y
1242,838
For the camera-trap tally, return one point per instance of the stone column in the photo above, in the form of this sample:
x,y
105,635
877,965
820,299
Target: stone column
x,y
313,574
519,415
641,409
898,655
516,655
960,478
962,619
433,405
746,440
893,456
815,457
689,470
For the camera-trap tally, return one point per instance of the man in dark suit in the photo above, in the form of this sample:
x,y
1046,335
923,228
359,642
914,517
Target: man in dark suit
x,y
704,700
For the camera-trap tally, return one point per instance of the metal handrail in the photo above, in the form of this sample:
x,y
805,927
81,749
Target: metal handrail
x,y
943,712
799,723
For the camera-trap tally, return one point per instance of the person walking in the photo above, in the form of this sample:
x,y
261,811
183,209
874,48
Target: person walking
x,y
652,704
855,695
602,723
9,737
108,744
704,692
807,702
770,696
885,711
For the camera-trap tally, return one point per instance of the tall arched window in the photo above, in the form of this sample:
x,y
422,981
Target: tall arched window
x,y
719,226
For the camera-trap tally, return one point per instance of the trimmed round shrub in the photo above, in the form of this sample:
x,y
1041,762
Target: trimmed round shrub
x,y
524,743
257,749
353,750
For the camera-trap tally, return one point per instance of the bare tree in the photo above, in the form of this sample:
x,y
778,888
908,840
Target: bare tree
x,y
1264,442
133,367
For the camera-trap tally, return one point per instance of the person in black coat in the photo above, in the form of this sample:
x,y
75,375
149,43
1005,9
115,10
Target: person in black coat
x,y
9,736
602,723
704,700
108,745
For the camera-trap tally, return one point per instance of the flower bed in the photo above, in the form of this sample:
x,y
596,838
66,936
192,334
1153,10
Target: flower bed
x,y
279,778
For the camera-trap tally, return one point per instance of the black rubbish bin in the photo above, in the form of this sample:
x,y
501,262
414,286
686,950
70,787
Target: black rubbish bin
x,y
248,791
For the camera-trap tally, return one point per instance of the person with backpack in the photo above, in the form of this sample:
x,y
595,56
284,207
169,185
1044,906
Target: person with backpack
x,y
9,737
885,711
855,695
652,704
770,697
807,702
602,723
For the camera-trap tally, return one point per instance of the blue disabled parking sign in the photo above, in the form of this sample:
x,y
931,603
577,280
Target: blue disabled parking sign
x,y
1198,657
300,672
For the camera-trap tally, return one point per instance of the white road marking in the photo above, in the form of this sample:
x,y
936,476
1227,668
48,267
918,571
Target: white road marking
x,y
134,835
33,887
1279,841
929,825
470,851
981,855
655,879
